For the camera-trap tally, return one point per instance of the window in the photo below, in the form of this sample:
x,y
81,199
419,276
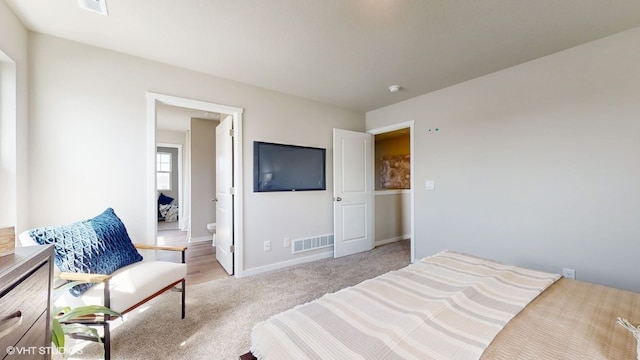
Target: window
x,y
163,171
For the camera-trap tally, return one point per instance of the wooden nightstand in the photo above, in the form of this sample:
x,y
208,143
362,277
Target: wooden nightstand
x,y
25,296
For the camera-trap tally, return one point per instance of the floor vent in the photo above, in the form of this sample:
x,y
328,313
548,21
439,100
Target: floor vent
x,y
312,243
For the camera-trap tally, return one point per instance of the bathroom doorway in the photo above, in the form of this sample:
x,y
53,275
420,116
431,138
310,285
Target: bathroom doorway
x,y
234,228
185,173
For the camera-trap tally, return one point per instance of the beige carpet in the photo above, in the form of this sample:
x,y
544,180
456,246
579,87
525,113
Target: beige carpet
x,y
221,313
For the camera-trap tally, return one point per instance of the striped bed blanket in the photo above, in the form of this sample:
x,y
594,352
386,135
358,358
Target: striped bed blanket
x,y
446,306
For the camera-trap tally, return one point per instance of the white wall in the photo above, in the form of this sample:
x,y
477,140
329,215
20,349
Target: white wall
x,y
297,214
535,165
203,177
392,216
86,99
170,137
13,121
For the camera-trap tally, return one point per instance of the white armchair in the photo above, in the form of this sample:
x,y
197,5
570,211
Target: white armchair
x,y
124,289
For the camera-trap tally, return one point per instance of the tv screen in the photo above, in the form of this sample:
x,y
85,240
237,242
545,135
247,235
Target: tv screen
x,y
279,167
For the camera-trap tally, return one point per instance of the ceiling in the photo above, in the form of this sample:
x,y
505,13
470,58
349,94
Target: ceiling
x,y
340,52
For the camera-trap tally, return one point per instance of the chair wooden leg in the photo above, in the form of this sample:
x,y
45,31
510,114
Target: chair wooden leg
x,y
184,292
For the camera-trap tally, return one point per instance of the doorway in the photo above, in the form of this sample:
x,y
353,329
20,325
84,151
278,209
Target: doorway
x,y
155,100
354,228
185,173
394,183
169,179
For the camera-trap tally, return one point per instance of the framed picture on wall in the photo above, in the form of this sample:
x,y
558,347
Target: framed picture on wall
x,y
395,172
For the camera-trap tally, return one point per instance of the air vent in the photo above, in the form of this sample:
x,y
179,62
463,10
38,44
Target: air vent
x,y
312,243
95,6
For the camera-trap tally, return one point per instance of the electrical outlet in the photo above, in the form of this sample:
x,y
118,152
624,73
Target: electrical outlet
x,y
267,245
287,242
569,273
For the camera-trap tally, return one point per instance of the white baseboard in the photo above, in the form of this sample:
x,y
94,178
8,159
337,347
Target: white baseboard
x,y
306,259
284,264
393,239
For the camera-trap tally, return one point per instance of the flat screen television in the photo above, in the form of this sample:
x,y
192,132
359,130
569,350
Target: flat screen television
x,y
280,167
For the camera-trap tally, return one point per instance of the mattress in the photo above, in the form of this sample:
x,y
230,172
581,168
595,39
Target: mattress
x,y
448,306
570,320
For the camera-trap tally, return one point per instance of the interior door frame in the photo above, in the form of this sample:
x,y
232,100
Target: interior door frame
x,y
393,127
180,169
152,100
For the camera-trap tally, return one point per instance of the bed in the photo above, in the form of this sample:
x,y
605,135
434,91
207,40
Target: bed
x,y
167,210
455,306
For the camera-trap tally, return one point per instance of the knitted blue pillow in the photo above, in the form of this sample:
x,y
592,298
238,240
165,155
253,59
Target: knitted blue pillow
x,y
95,246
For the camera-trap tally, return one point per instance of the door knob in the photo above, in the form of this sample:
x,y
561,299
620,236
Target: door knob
x,y
338,198
214,200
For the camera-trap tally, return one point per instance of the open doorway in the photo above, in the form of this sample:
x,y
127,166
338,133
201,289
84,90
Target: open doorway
x,y
392,168
394,184
155,104
363,216
185,173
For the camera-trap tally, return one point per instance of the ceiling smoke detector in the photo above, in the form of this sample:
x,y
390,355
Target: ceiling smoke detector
x,y
394,88
95,6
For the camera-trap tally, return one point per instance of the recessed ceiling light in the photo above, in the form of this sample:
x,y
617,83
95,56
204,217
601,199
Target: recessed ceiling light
x,y
394,88
95,6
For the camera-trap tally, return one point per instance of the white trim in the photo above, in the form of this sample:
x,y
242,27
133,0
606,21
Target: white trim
x,y
8,143
392,240
284,264
393,127
398,126
236,113
194,104
238,222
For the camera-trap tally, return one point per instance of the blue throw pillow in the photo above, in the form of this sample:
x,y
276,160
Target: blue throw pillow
x,y
164,199
95,246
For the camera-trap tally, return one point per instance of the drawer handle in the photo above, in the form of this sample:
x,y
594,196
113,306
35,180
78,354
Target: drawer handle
x,y
18,320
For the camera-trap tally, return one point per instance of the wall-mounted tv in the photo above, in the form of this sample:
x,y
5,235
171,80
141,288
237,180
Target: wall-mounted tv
x,y
280,167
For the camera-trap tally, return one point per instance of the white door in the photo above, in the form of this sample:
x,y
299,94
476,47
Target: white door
x,y
352,192
224,194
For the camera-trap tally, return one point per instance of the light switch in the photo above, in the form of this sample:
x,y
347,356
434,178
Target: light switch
x,y
429,185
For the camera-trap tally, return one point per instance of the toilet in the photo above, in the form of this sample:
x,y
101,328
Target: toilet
x,y
212,229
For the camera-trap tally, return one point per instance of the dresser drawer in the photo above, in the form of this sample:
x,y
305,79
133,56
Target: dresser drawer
x,y
21,306
33,344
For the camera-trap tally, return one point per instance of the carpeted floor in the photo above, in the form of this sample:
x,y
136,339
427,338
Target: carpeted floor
x,y
221,313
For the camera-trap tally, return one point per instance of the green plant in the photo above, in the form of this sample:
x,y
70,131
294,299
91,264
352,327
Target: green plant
x,y
63,317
